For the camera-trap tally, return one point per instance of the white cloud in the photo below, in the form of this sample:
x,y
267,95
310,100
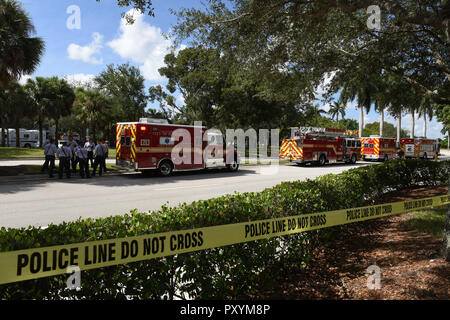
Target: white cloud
x,y
323,87
23,79
80,79
180,100
87,53
143,44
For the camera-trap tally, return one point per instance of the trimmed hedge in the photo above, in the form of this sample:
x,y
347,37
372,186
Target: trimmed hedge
x,y
233,272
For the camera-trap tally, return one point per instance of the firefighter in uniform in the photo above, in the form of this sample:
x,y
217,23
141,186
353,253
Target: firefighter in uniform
x,y
105,154
64,156
90,146
99,154
73,159
49,152
82,159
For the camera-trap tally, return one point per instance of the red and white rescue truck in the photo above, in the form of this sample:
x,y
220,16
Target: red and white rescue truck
x,y
321,145
420,148
377,148
154,144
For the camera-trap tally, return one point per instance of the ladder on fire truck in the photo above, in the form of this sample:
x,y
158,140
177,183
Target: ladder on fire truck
x,y
314,132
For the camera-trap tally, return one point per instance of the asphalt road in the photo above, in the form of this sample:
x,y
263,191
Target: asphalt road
x,y
39,203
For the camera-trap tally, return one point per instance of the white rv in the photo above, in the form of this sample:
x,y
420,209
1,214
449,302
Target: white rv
x,y
28,138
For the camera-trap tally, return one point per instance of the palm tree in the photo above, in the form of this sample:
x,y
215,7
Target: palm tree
x,y
363,92
93,107
426,110
383,100
311,114
335,109
59,98
3,116
36,89
19,52
18,105
412,111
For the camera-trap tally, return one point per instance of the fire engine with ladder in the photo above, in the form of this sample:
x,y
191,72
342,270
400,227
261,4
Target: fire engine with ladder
x,y
149,144
321,146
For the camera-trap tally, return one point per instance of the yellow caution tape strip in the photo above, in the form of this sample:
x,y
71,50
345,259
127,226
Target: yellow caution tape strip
x,y
50,261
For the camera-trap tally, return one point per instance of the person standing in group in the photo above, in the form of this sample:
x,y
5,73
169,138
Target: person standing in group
x,y
82,159
99,158
64,156
45,165
90,146
105,155
49,152
73,159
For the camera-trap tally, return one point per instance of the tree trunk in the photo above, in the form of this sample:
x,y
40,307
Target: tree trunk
x,y
17,125
3,137
56,127
413,124
424,125
381,122
41,137
399,127
361,120
446,240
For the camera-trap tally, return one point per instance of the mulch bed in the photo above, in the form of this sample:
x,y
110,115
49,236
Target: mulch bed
x,y
411,264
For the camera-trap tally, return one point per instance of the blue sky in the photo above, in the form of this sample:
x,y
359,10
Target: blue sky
x,y
103,38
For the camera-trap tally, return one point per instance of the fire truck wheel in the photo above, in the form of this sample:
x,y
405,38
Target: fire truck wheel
x,y
233,167
322,160
165,168
386,157
425,156
353,159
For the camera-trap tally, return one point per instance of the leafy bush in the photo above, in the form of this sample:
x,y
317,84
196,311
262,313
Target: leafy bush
x,y
232,272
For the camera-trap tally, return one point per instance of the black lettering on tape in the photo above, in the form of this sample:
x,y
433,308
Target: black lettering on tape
x,y
22,261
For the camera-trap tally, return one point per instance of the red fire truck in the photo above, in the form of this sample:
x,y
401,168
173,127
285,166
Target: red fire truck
x,y
321,145
151,144
420,148
377,148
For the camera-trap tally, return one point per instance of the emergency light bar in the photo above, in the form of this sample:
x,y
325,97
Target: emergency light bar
x,y
153,121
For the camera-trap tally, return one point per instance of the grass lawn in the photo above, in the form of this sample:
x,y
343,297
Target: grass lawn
x,y
21,153
430,221
36,169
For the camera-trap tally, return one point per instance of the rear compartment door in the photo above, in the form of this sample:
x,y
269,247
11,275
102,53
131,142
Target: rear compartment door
x,y
124,143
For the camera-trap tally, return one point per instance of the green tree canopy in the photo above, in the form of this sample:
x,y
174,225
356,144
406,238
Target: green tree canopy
x,y
221,95
390,131
143,6
17,104
124,84
94,109
313,38
20,53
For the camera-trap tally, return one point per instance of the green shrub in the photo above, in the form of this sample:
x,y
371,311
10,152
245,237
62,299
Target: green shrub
x,y
232,272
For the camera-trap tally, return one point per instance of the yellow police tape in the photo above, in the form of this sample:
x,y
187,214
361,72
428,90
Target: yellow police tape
x,y
50,261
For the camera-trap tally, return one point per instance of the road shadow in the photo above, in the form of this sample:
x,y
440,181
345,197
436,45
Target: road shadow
x,y
332,165
126,179
153,178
